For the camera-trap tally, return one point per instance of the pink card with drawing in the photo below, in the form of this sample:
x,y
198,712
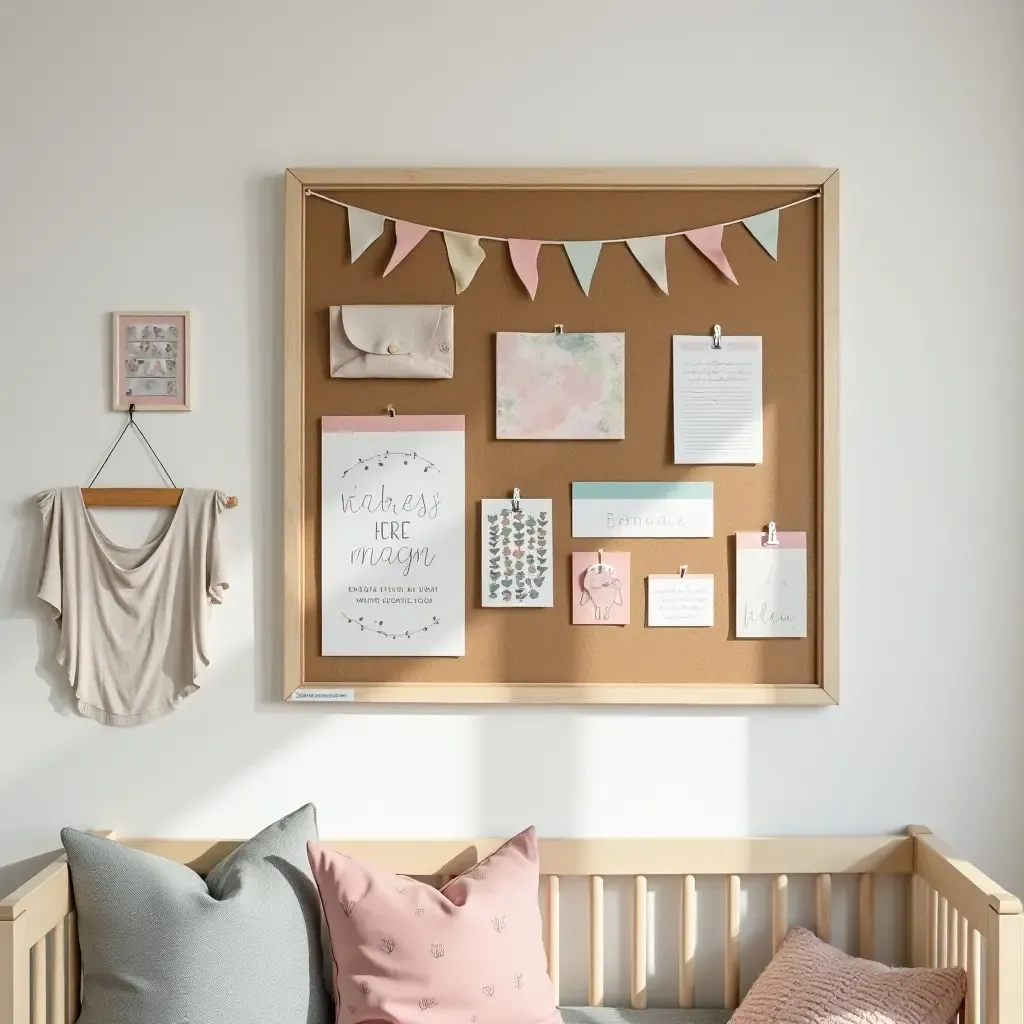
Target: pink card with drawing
x,y
600,588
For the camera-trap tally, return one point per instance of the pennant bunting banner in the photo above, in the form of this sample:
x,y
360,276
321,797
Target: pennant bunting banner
x,y
650,254
583,256
765,228
407,237
465,254
709,241
524,255
364,228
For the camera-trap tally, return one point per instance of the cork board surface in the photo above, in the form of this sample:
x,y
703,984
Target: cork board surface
x,y
778,301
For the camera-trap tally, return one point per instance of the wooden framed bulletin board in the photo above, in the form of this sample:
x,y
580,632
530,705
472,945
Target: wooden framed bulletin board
x,y
530,655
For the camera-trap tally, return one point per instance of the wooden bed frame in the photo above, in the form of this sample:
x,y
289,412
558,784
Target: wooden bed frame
x,y
955,914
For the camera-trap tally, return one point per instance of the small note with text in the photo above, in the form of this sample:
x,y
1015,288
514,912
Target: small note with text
x,y
771,585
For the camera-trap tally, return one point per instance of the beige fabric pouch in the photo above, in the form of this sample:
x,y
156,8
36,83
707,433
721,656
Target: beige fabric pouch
x,y
393,341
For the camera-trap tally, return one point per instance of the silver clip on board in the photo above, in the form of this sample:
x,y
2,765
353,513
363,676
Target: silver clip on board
x,y
515,499
770,539
716,336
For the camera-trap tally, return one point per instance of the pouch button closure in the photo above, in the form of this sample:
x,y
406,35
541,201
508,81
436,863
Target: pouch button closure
x,y
392,347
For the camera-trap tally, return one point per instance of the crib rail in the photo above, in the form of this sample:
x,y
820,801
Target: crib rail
x,y
956,915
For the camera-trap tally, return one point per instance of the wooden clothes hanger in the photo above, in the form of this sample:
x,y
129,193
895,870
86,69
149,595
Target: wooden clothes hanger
x,y
135,497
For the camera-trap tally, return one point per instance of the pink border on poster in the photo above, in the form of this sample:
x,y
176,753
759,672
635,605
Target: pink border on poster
x,y
154,401
786,539
385,424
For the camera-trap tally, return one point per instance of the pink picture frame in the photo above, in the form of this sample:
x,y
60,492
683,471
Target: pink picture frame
x,y
152,361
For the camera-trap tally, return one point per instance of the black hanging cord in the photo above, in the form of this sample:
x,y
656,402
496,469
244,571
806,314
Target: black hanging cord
x,y
138,430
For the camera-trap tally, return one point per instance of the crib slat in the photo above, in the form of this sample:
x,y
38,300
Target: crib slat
x,y
952,935
973,1000
866,916
823,907
780,911
933,928
74,986
942,944
57,996
917,936
732,942
963,942
37,962
687,940
553,928
638,981
596,994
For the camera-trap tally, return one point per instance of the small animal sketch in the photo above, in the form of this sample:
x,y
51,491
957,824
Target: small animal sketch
x,y
488,990
387,945
436,950
427,1003
347,906
498,924
517,553
419,911
351,1008
364,987
601,590
517,980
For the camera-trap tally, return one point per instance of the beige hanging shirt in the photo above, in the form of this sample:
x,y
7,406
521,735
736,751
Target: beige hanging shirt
x,y
133,621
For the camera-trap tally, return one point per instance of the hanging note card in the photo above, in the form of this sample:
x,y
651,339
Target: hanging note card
x,y
600,594
674,600
393,536
644,508
717,400
771,585
517,553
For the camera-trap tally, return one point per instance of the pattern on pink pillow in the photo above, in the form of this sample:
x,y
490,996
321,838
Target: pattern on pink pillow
x,y
405,952
811,982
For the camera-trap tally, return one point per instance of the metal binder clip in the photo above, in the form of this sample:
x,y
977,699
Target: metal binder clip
x,y
682,571
716,336
771,540
559,328
391,411
515,499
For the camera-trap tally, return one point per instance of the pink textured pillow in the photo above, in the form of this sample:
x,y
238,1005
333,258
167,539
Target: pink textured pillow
x,y
814,983
405,952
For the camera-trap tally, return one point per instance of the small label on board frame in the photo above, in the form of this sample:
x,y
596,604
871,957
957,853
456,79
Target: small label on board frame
x,y
319,693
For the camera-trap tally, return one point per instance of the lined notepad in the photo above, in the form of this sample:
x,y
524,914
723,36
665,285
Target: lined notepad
x,y
717,403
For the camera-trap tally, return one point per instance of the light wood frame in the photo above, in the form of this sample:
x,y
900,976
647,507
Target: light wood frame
x,y
955,914
121,403
825,691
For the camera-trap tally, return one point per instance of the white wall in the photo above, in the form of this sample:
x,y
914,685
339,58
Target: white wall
x,y
142,148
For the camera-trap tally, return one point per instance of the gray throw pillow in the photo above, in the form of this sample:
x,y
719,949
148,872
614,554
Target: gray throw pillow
x,y
162,946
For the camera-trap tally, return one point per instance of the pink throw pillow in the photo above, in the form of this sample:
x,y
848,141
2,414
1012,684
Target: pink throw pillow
x,y
815,983
405,952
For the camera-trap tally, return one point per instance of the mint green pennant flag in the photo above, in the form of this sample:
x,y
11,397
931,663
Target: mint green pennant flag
x,y
583,256
650,254
765,228
364,228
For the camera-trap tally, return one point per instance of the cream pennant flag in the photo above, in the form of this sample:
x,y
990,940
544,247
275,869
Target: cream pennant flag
x,y
364,228
524,255
407,237
709,242
765,228
650,254
583,256
465,254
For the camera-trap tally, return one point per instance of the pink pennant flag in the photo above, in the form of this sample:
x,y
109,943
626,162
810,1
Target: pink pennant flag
x,y
407,237
524,258
709,242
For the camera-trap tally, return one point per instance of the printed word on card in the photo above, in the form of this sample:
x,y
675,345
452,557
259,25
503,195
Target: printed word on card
x,y
716,398
771,585
643,509
674,600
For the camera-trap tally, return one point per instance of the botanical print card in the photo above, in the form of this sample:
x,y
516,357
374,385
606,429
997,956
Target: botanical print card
x,y
561,386
716,400
517,553
771,585
600,588
674,600
393,536
643,508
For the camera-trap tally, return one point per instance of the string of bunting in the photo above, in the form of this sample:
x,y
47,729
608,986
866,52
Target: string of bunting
x,y
466,254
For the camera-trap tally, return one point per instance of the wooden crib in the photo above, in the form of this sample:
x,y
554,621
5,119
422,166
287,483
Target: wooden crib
x,y
949,911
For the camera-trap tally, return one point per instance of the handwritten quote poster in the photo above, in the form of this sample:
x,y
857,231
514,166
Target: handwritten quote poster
x,y
771,585
393,529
